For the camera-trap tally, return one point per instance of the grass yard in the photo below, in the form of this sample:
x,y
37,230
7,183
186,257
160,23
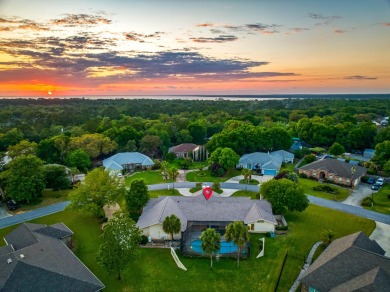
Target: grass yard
x,y
49,197
171,192
252,195
150,177
155,270
308,184
194,176
177,163
381,200
251,182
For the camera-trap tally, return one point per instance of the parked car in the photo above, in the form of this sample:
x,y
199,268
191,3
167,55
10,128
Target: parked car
x,y
380,181
375,186
12,205
371,180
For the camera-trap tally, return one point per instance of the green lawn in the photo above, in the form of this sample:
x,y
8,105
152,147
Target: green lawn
x,y
252,195
207,177
251,182
308,184
287,167
171,192
49,197
150,177
178,162
155,269
381,200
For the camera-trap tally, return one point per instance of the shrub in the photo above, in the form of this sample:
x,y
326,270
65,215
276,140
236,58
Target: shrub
x,y
216,186
302,175
309,158
367,202
170,156
217,170
144,239
325,188
280,227
365,179
157,164
388,196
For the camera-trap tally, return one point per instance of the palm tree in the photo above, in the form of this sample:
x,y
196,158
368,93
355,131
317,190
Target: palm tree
x,y
247,175
327,236
238,233
173,173
163,167
171,225
211,242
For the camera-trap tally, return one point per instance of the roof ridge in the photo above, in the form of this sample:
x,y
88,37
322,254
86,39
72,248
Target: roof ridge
x,y
163,208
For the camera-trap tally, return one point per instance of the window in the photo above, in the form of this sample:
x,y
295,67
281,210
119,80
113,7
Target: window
x,y
314,173
252,227
340,179
331,177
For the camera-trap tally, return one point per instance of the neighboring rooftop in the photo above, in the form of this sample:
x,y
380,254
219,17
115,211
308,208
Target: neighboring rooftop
x,y
117,161
185,147
37,259
338,167
350,263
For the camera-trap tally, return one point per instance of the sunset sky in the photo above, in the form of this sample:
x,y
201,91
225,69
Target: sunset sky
x,y
118,47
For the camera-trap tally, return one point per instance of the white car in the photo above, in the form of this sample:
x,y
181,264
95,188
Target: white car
x,y
380,181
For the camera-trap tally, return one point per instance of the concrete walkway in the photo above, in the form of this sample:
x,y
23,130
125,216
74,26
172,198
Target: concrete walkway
x,y
305,266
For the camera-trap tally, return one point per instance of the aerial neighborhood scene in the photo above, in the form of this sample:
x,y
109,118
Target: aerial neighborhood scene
x,y
194,145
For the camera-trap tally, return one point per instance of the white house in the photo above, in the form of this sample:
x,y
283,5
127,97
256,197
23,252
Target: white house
x,y
217,212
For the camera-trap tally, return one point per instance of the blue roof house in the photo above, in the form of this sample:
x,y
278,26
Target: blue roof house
x,y
369,153
128,161
265,163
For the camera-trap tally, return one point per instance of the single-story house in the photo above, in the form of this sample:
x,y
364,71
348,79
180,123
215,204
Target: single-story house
x,y
335,171
288,157
265,163
196,152
351,263
369,153
128,161
197,213
37,258
298,144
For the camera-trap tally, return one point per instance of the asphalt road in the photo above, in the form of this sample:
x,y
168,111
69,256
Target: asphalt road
x,y
30,215
16,219
379,217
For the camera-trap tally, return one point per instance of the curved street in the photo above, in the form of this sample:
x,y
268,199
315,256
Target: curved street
x,y
379,217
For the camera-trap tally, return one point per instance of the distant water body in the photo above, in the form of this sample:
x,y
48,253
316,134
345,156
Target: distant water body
x,y
212,97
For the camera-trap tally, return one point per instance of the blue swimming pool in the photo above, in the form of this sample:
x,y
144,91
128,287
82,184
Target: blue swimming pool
x,y
226,247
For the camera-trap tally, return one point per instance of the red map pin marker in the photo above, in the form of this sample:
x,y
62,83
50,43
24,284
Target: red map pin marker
x,y
207,192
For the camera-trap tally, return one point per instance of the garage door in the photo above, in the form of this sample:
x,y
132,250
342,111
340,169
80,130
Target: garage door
x,y
269,172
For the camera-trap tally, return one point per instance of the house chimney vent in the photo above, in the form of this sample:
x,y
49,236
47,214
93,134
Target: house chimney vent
x,y
9,261
22,256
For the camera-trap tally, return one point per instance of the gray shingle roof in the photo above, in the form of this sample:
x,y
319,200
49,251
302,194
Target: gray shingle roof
x,y
337,167
349,262
197,208
27,277
21,237
47,257
116,161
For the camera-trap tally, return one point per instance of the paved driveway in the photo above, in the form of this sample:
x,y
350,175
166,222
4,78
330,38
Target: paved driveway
x,y
358,194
